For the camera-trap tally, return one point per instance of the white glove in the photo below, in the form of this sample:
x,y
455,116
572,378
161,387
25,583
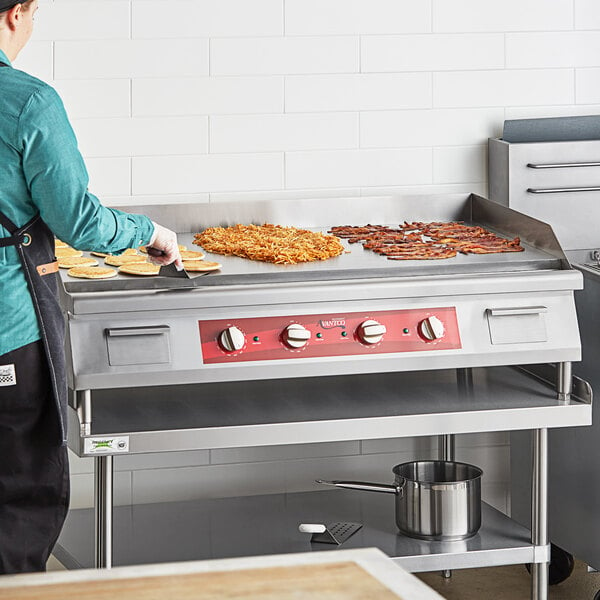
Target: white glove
x,y
163,248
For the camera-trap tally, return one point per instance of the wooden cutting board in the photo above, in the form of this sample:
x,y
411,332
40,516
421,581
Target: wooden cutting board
x,y
332,581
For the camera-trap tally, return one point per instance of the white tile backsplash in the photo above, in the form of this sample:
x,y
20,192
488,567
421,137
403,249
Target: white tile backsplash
x,y
211,172
587,15
283,76
508,15
432,52
305,93
218,100
131,59
459,163
91,98
262,478
343,17
161,460
431,127
358,167
89,20
503,87
587,86
109,176
82,489
206,95
206,18
143,136
36,59
284,55
552,50
271,133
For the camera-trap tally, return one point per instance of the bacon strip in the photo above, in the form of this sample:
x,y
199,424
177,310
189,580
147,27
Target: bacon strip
x,y
420,241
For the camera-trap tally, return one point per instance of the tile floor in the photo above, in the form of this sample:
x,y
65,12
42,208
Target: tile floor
x,y
510,583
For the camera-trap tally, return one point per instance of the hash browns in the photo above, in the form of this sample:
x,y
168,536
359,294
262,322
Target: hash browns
x,y
269,243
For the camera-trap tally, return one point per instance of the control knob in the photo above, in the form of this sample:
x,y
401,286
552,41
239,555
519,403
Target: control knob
x,y
431,329
231,339
371,332
296,336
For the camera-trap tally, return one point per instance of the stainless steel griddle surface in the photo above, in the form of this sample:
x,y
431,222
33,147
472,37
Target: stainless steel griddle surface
x,y
356,263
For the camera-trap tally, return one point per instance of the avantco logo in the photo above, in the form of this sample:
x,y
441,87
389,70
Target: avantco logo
x,y
333,323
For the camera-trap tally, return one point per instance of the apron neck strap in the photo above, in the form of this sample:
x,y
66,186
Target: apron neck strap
x,y
7,223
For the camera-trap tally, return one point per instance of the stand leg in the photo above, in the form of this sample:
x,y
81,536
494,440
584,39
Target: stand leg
x,y
539,512
447,442
83,404
446,445
464,379
564,383
103,511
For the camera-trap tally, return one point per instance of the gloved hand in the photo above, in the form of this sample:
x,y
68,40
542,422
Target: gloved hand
x,y
163,248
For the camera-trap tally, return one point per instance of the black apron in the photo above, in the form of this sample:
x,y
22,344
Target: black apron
x,y
34,466
35,245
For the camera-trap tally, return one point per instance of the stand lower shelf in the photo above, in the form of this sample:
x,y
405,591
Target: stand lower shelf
x,y
330,409
258,525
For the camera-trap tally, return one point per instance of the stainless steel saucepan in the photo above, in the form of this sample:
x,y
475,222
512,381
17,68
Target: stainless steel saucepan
x,y
435,499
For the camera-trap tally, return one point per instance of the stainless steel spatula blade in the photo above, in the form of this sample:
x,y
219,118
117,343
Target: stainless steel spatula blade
x,y
167,270
171,271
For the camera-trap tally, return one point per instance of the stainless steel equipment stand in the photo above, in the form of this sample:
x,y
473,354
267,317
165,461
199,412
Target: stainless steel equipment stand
x,y
534,388
447,442
103,508
564,383
103,511
539,513
446,450
103,487
539,488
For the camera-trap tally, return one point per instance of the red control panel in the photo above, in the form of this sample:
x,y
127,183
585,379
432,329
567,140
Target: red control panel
x,y
312,336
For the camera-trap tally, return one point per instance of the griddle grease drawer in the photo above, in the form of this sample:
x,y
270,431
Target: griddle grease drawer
x,y
519,325
138,345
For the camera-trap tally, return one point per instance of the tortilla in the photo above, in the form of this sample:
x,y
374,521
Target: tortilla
x,y
91,272
76,261
60,244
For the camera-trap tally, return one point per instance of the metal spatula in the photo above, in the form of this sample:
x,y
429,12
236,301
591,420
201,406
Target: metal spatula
x,y
171,271
168,270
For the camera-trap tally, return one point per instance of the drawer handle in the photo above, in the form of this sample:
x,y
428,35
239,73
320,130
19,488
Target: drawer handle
x,y
562,165
518,310
134,331
561,190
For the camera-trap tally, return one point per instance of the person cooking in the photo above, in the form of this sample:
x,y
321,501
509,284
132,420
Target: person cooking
x,y
43,193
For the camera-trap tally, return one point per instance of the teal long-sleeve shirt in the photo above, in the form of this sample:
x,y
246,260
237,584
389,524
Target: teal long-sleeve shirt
x,y
42,170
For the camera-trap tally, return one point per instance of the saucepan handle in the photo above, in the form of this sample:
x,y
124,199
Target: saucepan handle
x,y
362,485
